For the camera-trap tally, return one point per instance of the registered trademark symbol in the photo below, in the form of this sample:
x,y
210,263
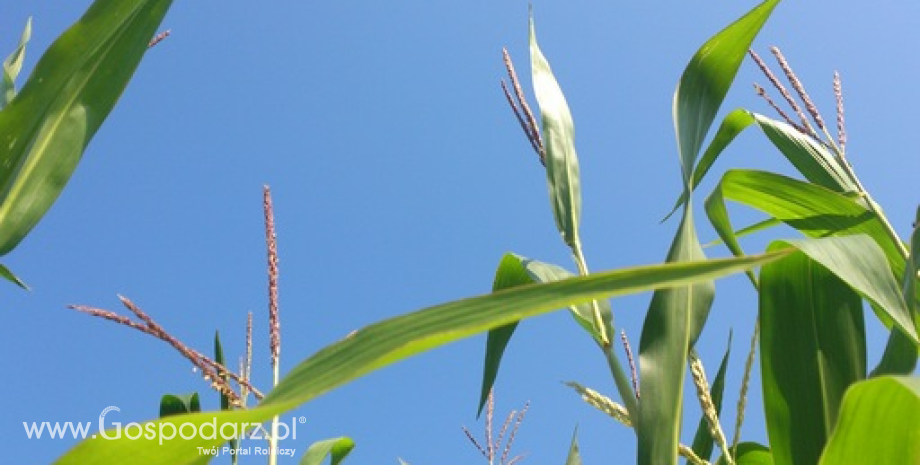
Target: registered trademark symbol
x,y
303,420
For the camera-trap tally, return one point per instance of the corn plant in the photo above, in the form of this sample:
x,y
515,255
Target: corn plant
x,y
822,403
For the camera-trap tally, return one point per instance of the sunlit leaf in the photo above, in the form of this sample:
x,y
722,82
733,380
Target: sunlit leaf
x,y
574,457
731,126
878,424
811,158
559,140
707,79
675,318
13,65
76,83
392,340
337,449
819,212
515,270
813,346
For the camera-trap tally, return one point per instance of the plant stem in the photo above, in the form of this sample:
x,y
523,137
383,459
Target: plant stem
x,y
622,383
583,271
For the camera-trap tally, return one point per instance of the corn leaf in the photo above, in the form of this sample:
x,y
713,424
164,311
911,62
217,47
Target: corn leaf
x,y
812,349
878,424
392,340
48,124
559,140
13,65
336,448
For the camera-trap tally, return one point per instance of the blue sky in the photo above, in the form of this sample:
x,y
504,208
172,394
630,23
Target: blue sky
x,y
400,177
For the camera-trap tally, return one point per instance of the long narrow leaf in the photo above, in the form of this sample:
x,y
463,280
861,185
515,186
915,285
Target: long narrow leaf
x,y
515,270
819,212
812,348
731,126
811,158
510,273
559,136
574,456
76,83
675,318
389,341
706,80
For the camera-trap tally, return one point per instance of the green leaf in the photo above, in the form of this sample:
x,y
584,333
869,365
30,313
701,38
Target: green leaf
x,y
816,163
731,126
878,424
9,276
515,270
219,358
750,453
171,404
819,212
574,457
76,83
13,65
542,272
336,448
813,346
395,339
510,273
900,356
559,140
224,399
706,80
702,440
675,318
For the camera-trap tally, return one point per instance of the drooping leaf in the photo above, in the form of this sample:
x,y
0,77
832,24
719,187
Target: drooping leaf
x,y
702,440
900,356
392,340
706,80
559,141
336,448
510,273
13,65
813,347
515,270
542,272
878,424
819,212
171,404
812,159
76,83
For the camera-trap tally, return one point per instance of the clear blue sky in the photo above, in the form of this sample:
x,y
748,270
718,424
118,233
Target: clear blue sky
x,y
400,177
